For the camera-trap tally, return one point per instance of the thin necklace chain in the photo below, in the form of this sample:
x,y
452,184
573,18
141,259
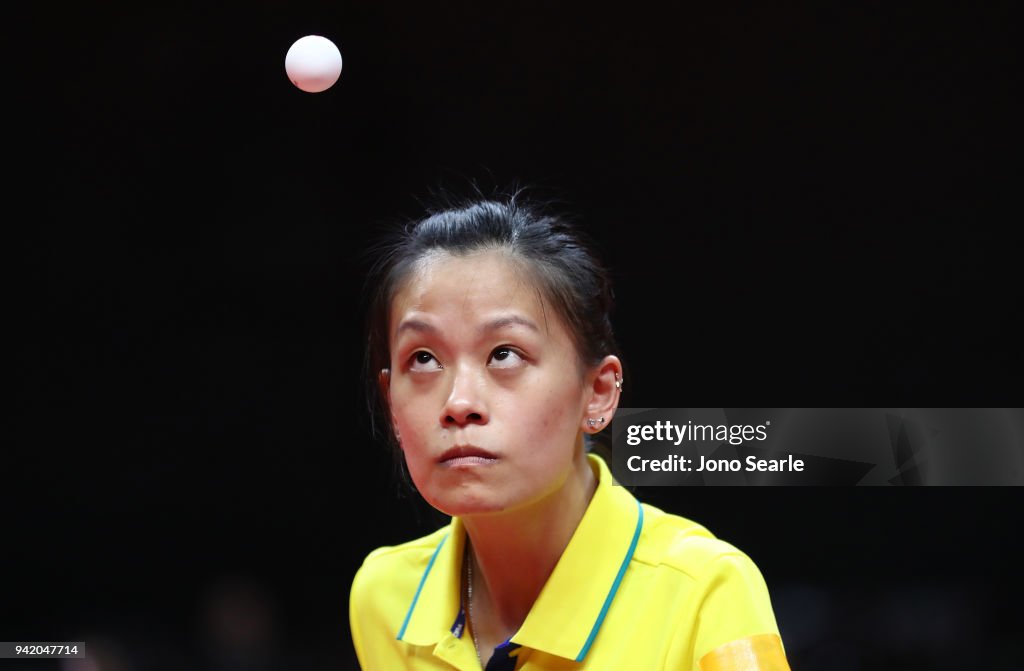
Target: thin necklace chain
x,y
469,600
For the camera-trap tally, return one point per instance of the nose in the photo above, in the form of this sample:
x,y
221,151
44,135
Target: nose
x,y
466,400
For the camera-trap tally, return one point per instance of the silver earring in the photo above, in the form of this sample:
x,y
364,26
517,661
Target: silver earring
x,y
618,382
593,422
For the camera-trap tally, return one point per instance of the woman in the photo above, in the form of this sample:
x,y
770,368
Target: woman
x,y
494,361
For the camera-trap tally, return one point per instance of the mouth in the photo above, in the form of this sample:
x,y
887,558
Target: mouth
x,y
467,455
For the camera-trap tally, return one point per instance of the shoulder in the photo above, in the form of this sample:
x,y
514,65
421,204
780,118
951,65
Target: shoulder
x,y
394,568
720,593
392,561
677,544
384,588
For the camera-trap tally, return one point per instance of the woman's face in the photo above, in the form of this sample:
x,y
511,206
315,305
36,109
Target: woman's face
x,y
485,393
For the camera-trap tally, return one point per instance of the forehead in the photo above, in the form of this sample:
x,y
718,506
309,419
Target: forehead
x,y
469,288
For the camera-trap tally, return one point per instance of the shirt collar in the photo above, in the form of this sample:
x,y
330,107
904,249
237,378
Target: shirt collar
x,y
570,609
436,603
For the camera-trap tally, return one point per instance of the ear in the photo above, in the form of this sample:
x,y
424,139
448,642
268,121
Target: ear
x,y
604,387
384,382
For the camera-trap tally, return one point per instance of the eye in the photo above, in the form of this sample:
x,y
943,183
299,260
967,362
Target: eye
x,y
506,357
423,361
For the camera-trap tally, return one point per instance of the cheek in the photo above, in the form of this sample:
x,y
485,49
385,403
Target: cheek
x,y
411,420
403,426
553,415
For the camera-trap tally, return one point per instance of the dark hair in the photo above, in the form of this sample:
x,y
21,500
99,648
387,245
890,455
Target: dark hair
x,y
561,260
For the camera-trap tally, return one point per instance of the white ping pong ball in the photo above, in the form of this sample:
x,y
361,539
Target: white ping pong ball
x,y
313,63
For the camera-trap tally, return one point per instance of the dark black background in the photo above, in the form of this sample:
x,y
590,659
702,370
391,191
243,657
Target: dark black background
x,y
801,206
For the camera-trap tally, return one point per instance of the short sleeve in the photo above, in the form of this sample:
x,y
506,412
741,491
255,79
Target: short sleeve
x,y
736,628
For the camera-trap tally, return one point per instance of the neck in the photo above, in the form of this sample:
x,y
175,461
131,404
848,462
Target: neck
x,y
514,552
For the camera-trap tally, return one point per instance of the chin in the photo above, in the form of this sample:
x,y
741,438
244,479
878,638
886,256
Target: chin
x,y
465,505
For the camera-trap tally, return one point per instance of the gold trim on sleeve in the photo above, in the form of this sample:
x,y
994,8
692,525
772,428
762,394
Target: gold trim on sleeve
x,y
755,653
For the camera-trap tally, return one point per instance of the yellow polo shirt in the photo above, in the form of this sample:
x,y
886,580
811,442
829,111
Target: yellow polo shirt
x,y
636,589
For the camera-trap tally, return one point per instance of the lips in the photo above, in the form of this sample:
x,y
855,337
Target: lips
x,y
466,455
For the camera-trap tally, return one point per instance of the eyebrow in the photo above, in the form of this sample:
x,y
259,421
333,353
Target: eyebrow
x,y
510,320
421,326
